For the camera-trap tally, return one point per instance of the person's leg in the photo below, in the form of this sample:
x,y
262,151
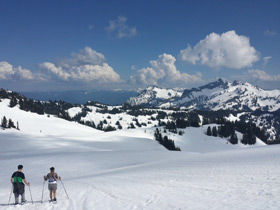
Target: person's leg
x,y
54,194
50,194
16,198
23,197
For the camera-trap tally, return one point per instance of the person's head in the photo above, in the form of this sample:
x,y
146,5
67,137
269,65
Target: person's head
x,y
20,167
52,169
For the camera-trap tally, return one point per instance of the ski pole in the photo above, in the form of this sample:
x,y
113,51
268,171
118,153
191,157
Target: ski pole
x,y
43,191
64,188
10,195
30,194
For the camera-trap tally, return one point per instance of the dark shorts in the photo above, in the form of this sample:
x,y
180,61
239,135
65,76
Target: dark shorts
x,y
52,186
18,188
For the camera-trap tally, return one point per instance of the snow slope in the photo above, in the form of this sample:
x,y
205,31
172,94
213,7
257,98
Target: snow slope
x,y
128,170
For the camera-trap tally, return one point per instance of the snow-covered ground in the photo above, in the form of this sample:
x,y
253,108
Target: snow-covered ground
x,y
127,169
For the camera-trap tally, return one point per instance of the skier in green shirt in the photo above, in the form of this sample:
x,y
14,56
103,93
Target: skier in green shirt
x,y
17,180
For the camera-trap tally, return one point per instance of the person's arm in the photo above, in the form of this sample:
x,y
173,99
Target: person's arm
x,y
58,177
26,182
12,178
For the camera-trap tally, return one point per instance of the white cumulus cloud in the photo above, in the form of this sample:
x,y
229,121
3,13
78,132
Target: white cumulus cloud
x,y
86,65
86,56
226,50
8,72
262,75
58,71
120,28
25,74
163,72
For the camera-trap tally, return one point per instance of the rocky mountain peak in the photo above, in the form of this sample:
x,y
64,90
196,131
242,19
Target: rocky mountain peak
x,y
217,95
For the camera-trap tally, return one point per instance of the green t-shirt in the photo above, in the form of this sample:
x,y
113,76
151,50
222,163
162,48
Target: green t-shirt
x,y
18,177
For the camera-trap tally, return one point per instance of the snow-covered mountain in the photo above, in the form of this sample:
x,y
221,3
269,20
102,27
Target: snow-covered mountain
x,y
153,96
218,95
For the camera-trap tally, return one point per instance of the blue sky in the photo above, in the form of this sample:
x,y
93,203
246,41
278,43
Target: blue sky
x,y
126,44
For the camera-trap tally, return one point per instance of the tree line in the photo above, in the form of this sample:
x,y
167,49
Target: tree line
x,y
165,141
5,123
225,131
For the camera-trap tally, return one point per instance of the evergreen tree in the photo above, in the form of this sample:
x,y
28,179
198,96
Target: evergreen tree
x,y
206,121
181,123
253,140
119,125
11,124
167,143
109,128
181,132
132,126
221,131
195,123
137,123
4,122
214,131
90,123
244,139
158,136
13,102
233,138
100,125
171,126
251,136
161,115
209,132
226,130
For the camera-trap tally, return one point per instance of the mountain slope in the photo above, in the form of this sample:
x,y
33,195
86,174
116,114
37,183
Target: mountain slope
x,y
152,96
48,125
219,95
